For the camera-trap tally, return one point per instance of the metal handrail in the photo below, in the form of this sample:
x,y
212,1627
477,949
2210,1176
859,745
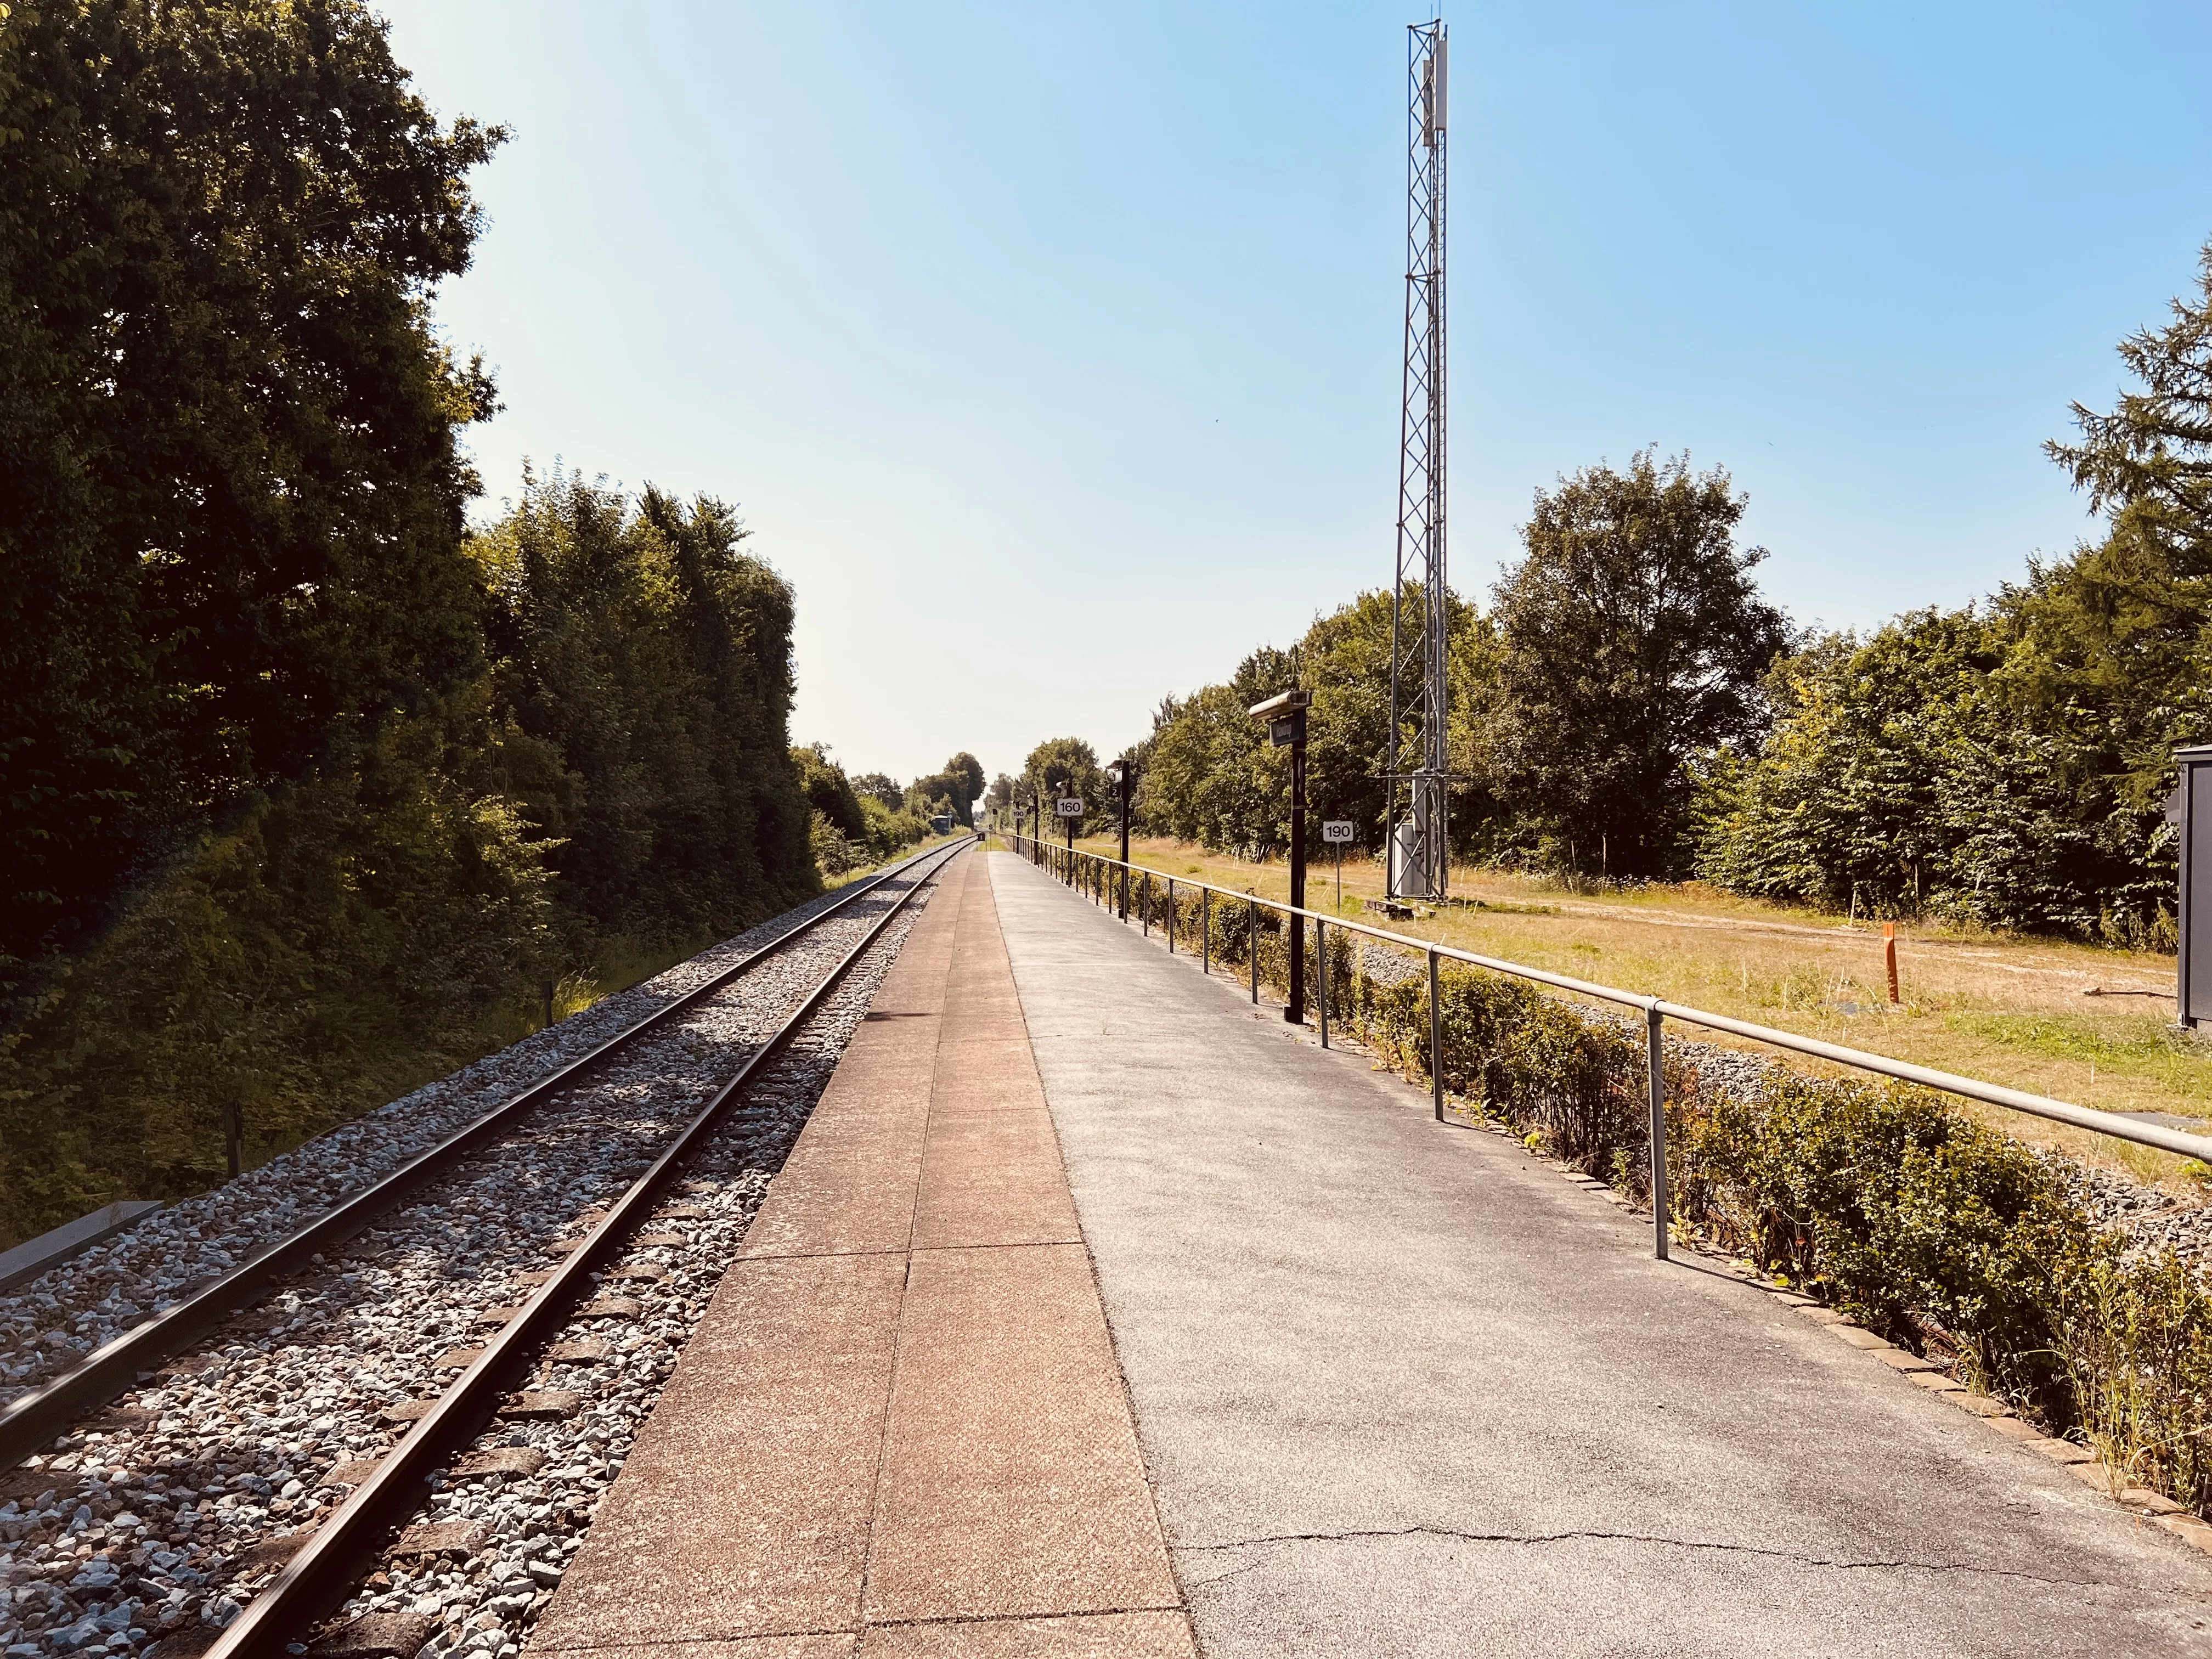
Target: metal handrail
x,y
1658,1009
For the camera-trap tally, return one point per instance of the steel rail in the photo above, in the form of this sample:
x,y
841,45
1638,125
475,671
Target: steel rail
x,y
33,1420
2017,1100
322,1573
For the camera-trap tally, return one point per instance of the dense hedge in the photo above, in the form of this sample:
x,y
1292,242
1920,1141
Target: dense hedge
x,y
1890,1203
305,791
615,788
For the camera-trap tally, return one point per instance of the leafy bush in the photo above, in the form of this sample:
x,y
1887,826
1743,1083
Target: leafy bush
x,y
348,940
1915,772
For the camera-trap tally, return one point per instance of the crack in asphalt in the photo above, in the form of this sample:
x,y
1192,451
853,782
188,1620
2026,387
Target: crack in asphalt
x,y
1838,1562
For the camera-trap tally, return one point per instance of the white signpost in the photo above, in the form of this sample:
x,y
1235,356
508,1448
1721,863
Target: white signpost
x,y
1337,833
1069,810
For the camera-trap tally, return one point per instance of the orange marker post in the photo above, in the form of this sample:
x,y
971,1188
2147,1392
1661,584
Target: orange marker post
x,y
1889,957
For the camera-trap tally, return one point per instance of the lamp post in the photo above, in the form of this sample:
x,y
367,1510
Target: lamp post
x,y
1122,770
1285,715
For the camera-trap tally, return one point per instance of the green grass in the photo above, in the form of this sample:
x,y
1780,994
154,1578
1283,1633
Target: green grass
x,y
2142,1047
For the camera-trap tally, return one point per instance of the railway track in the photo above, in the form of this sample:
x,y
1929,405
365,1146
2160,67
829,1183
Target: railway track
x,y
228,1468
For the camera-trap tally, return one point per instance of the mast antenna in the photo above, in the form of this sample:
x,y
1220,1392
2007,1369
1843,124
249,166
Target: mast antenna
x,y
1420,597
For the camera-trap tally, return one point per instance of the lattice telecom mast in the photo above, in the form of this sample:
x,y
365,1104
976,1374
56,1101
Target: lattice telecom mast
x,y
1420,601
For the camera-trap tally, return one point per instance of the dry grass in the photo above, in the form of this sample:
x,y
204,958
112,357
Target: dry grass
x,y
2007,1010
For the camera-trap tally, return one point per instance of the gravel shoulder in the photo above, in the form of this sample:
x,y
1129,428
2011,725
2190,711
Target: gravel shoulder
x,y
152,1525
53,1321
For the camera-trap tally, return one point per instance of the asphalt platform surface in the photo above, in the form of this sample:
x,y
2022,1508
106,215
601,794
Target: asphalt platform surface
x,y
1402,1391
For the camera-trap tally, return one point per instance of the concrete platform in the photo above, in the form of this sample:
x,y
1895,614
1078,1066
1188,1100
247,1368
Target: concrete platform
x,y
899,1429
1403,1391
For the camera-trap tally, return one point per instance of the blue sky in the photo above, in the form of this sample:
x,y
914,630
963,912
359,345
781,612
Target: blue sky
x,y
1052,353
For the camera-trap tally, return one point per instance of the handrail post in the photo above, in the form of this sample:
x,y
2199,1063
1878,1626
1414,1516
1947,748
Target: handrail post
x,y
1170,915
1145,903
1206,930
1435,1040
1652,1021
1252,942
1321,963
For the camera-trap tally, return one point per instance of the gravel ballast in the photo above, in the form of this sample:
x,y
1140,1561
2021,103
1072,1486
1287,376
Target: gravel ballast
x,y
152,1525
48,1324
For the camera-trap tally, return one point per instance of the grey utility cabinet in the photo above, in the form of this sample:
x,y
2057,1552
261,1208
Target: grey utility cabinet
x,y
2192,810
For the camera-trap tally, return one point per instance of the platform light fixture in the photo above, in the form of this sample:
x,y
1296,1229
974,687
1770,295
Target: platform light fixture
x,y
1125,772
1284,714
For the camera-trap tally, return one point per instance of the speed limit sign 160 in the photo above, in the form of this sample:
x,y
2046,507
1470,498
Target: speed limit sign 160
x,y
1068,807
1336,830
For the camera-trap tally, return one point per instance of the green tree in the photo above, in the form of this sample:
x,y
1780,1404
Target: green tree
x,y
956,788
230,534
1211,776
1063,767
1630,639
1906,773
966,772
882,787
615,785
1208,774
829,791
2116,642
2008,765
2150,458
642,646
